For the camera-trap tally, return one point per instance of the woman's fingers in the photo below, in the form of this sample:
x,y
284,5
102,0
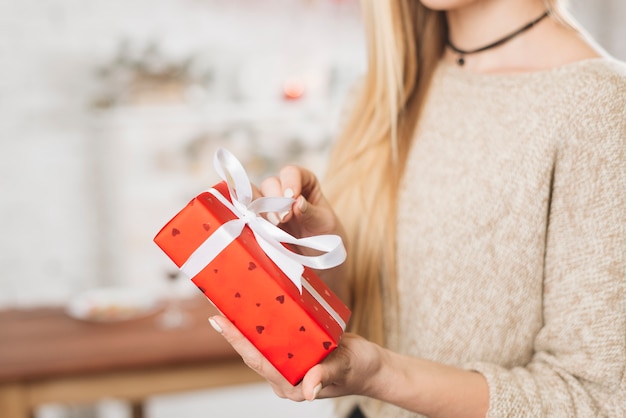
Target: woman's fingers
x,y
256,192
328,378
310,214
274,187
270,187
301,182
251,356
347,370
255,360
291,180
303,186
344,371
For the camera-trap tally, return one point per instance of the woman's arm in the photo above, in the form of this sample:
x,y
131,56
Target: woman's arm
x,y
579,364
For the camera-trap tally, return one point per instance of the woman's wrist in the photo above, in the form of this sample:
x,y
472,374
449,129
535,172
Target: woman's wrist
x,y
426,387
377,381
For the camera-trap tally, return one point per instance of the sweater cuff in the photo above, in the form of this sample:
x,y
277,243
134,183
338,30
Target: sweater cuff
x,y
512,393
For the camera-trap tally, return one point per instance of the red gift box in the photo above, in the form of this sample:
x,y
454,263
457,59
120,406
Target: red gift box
x,y
293,328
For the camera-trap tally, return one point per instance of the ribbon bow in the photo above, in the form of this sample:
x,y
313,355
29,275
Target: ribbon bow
x,y
269,237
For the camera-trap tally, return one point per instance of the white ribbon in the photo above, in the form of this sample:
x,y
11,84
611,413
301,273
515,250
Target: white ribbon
x,y
269,236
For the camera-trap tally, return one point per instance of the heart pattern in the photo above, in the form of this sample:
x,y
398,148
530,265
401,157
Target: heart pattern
x,y
217,281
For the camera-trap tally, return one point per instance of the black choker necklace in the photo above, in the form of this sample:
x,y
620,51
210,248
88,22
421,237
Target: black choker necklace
x,y
461,59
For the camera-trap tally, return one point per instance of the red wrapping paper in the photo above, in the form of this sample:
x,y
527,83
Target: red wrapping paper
x,y
293,330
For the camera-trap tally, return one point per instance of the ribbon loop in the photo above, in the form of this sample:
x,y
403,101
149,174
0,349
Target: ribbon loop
x,y
230,169
271,239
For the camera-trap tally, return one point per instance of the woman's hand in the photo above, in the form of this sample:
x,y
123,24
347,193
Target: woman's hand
x,y
311,213
349,369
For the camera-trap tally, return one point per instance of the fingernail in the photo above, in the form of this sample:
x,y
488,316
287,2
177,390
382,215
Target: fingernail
x,y
288,193
215,325
282,215
316,390
273,218
302,203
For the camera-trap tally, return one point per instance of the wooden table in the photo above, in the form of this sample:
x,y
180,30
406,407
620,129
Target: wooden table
x,y
48,357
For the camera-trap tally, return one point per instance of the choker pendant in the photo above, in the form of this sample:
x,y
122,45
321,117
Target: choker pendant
x,y
462,52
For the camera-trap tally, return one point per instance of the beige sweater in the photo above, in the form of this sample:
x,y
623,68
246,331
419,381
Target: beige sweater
x,y
512,238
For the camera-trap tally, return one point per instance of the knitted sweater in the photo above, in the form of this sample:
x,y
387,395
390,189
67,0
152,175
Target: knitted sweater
x,y
511,238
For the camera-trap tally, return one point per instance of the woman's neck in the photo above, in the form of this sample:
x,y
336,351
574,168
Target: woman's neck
x,y
483,22
545,45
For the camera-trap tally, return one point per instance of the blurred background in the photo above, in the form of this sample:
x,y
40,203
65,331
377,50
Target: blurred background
x,y
109,115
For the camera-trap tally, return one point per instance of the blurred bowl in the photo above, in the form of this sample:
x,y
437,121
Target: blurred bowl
x,y
113,305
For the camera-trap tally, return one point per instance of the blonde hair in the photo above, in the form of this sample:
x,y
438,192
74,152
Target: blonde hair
x,y
405,42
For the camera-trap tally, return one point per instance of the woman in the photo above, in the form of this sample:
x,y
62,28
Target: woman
x,y
481,184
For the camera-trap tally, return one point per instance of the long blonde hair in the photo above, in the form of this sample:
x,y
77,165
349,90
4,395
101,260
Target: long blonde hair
x,y
405,42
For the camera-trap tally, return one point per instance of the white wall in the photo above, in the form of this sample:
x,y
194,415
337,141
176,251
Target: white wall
x,y
87,185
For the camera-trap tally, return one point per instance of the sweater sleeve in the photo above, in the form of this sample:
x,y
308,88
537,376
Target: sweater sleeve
x,y
579,361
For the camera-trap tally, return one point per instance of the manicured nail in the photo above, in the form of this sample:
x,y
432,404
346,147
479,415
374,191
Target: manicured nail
x,y
316,390
282,215
215,325
288,193
302,204
273,218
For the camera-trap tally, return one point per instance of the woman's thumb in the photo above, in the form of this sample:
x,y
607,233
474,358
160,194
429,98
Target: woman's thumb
x,y
302,205
316,219
308,215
